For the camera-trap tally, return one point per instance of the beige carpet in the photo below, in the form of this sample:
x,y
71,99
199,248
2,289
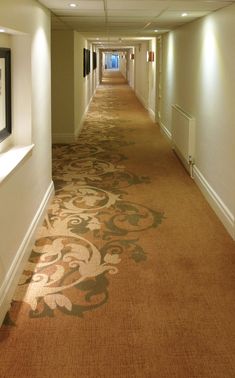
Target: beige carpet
x,y
132,275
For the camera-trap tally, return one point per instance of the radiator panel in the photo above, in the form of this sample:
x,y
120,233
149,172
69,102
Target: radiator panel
x,y
183,134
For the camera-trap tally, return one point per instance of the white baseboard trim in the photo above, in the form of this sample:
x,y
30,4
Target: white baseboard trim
x,y
152,115
142,100
63,138
70,137
80,125
165,130
11,280
216,202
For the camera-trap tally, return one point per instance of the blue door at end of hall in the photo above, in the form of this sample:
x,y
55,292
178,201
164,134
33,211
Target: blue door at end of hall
x,y
114,61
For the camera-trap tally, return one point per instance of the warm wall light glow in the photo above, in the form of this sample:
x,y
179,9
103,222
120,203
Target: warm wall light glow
x,y
156,31
184,14
210,57
2,31
150,56
73,5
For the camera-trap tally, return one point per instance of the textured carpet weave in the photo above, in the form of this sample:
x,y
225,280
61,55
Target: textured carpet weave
x,y
132,275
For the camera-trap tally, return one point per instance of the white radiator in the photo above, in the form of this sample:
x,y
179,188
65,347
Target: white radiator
x,y
183,136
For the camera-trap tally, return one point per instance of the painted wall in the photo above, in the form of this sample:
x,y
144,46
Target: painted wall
x,y
131,71
199,75
62,67
123,64
71,92
24,192
142,74
84,87
152,79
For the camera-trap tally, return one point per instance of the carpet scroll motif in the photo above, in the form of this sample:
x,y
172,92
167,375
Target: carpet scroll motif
x,y
91,226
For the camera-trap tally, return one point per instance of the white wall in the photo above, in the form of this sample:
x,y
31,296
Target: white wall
x,y
84,87
131,71
152,79
199,75
25,192
145,76
71,92
62,54
142,74
123,64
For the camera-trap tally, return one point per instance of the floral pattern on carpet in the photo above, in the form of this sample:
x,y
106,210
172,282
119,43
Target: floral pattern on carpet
x,y
91,225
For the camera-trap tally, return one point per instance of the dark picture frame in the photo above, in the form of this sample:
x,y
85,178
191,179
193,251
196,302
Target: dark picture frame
x,y
5,93
94,60
86,62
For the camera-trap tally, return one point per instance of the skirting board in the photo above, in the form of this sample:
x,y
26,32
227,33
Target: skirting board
x,y
142,100
11,280
215,201
152,115
80,125
165,130
211,196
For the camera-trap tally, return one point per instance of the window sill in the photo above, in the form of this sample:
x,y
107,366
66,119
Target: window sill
x,y
12,158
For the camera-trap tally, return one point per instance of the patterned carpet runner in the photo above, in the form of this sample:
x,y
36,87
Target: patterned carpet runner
x,y
132,274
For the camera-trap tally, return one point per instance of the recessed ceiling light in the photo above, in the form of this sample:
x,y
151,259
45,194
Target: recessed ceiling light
x,y
73,5
184,14
156,31
2,31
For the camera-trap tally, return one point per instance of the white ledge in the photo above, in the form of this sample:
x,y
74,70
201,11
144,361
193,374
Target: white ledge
x,y
10,159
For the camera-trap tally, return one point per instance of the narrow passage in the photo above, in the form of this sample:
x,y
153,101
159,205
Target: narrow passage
x,y
132,275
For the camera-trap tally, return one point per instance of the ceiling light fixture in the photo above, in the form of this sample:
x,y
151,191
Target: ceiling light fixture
x,y
156,31
184,14
73,5
2,31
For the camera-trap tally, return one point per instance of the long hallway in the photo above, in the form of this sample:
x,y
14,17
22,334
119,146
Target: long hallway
x,y
132,274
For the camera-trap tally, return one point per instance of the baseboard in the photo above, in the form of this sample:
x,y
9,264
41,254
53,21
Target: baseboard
x,y
216,202
63,138
11,280
152,115
165,130
80,125
141,99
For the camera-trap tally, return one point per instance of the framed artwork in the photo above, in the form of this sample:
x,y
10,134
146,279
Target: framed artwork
x,y
86,62
5,93
94,60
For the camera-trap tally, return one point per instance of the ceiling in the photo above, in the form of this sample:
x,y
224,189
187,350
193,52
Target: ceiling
x,y
125,22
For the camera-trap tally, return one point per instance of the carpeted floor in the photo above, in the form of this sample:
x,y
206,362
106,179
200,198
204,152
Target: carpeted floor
x,y
132,275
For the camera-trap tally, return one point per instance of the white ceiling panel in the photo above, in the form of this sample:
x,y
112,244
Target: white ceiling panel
x,y
81,4
79,13
133,13
197,5
133,25
137,4
132,19
129,19
84,20
177,16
